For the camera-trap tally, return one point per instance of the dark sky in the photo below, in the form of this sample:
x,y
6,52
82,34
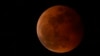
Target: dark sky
x,y
28,13
7,28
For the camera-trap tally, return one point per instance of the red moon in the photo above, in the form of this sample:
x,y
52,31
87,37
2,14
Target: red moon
x,y
59,29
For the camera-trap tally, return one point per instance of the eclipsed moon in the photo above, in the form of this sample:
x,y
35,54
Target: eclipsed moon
x,y
59,29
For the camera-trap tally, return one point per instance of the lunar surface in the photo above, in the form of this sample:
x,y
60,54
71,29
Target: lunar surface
x,y
59,29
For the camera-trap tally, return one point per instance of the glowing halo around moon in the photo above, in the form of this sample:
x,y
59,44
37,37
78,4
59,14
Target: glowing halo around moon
x,y
59,29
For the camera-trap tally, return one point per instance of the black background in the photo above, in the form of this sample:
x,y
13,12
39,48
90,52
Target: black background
x,y
7,28
23,18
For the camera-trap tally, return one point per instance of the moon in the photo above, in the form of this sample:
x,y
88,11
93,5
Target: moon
x,y
59,29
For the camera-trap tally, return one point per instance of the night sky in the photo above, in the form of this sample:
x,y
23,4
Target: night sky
x,y
22,19
7,29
